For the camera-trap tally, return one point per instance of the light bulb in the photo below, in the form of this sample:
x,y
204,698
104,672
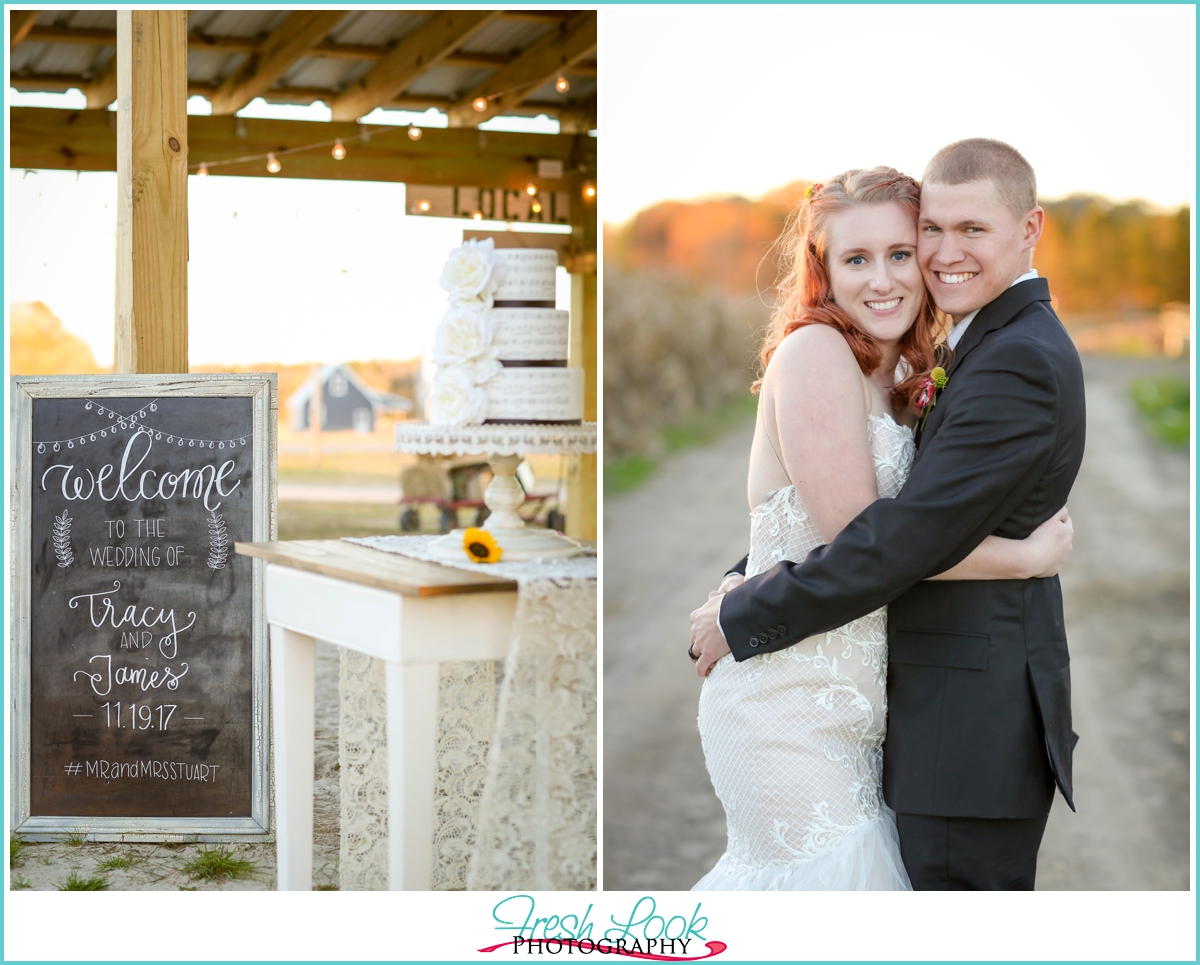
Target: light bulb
x,y
414,134
273,164
589,191
480,104
423,206
562,85
203,172
536,207
478,216
531,189
339,150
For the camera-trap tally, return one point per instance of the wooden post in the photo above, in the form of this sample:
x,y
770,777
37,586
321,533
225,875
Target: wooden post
x,y
581,470
584,352
316,417
152,227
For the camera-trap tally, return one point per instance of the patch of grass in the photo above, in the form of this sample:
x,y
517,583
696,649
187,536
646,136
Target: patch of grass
x,y
699,428
1165,404
19,884
75,840
217,864
118,862
16,851
76,882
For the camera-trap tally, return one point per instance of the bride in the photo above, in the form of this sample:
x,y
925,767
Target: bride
x,y
794,739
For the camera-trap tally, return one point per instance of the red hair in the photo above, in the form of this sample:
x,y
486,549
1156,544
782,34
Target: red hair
x,y
806,296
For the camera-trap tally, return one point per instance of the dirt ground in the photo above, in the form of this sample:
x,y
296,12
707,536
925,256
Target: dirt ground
x,y
1126,591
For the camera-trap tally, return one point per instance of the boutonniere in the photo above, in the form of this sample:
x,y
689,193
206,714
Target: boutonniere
x,y
927,392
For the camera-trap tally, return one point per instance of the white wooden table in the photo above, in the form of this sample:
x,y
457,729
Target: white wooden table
x,y
409,613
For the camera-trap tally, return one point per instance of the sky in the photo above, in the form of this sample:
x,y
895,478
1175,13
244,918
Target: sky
x,y
725,100
283,271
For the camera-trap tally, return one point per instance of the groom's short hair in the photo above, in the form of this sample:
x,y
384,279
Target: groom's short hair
x,y
983,159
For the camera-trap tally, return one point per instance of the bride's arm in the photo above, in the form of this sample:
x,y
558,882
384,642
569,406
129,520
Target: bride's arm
x,y
815,392
1040,554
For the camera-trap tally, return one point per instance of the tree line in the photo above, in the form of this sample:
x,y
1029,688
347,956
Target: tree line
x,y
1101,257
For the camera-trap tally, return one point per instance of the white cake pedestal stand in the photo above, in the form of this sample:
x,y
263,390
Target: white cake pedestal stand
x,y
505,446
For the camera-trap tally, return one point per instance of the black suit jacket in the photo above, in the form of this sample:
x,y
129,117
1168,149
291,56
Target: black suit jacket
x,y
979,691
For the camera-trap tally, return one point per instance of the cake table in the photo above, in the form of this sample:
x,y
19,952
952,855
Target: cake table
x,y
505,446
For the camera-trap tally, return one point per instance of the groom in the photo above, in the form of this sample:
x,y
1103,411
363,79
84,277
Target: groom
x,y
979,688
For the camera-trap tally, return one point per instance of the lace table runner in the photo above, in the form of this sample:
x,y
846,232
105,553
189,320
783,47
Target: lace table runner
x,y
515,793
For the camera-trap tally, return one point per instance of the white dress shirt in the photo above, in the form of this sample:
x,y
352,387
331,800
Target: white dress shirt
x,y
960,328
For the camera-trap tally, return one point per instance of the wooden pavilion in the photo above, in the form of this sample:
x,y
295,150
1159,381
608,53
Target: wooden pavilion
x,y
470,64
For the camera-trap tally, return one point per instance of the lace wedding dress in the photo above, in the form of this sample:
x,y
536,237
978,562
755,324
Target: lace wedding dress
x,y
794,739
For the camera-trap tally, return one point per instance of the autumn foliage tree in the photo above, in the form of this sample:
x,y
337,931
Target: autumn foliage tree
x,y
38,344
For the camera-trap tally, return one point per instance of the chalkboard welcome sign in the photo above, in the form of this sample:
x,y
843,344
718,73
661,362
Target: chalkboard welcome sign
x,y
139,649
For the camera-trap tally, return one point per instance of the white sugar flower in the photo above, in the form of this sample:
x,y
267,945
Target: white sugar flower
x,y
469,270
481,370
463,336
456,400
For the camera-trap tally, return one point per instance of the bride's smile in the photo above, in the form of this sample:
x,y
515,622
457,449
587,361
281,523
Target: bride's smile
x,y
873,271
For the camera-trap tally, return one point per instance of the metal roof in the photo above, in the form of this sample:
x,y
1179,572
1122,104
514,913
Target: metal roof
x,y
75,48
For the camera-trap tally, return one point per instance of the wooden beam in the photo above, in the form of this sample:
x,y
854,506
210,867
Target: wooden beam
x,y
102,89
152,151
542,62
415,54
290,41
19,24
41,137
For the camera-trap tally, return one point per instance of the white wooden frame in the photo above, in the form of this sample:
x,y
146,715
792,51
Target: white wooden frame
x,y
261,390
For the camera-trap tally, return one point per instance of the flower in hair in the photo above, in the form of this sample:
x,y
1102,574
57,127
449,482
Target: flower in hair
x,y
813,189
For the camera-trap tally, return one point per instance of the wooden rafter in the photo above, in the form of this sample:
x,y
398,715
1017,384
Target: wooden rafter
x,y
248,45
20,24
571,43
101,90
290,41
582,116
42,137
412,56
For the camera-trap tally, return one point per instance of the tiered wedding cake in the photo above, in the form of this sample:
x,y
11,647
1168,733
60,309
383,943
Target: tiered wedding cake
x,y
501,349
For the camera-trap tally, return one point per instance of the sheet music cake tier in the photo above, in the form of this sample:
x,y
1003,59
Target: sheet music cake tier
x,y
501,348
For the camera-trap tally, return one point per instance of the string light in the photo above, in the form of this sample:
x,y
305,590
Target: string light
x,y
364,136
339,150
562,85
589,191
423,206
531,189
536,207
133,422
478,216
480,104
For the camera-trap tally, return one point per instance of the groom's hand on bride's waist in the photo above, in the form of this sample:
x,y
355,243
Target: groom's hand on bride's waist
x,y
707,641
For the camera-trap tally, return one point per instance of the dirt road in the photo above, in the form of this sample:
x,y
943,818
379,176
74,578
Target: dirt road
x,y
1126,593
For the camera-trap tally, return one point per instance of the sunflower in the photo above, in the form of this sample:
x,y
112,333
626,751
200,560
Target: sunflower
x,y
481,547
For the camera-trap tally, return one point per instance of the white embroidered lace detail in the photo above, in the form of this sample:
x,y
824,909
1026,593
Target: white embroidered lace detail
x,y
794,738
515,791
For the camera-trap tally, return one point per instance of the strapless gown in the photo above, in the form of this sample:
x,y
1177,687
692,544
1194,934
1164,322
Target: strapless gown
x,y
794,739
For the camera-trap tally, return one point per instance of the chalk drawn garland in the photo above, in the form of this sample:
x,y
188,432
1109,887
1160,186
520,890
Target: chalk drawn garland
x,y
123,422
62,540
